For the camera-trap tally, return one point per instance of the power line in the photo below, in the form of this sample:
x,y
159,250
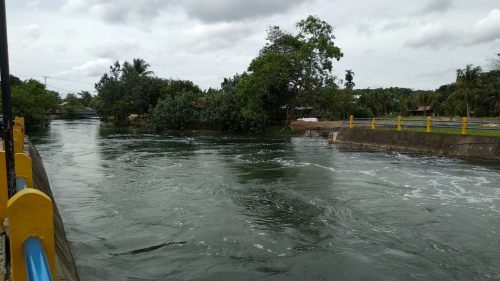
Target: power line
x,y
68,80
45,77
61,89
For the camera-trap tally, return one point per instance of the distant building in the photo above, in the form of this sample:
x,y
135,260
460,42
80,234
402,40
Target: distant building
x,y
422,110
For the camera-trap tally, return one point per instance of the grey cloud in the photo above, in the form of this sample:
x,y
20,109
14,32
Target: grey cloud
x,y
113,48
120,11
235,10
207,38
437,6
395,25
125,11
365,29
31,32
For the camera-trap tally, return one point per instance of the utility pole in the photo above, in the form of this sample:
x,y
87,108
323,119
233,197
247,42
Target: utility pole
x,y
7,113
45,79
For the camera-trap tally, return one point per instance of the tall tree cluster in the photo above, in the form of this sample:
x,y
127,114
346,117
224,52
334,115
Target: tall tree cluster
x,y
291,70
291,77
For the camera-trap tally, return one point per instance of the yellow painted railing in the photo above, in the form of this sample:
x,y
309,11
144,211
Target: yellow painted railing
x,y
30,217
464,126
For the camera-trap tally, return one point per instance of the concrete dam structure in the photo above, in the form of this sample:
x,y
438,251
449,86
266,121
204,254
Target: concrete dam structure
x,y
469,147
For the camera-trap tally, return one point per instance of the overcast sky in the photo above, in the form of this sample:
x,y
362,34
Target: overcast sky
x,y
415,44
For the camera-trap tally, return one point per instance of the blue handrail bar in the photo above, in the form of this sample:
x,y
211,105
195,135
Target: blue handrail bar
x,y
37,265
20,184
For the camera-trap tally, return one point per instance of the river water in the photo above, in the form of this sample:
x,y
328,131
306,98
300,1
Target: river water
x,y
224,207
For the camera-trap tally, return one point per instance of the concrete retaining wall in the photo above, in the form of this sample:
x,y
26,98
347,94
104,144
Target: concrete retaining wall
x,y
66,267
471,147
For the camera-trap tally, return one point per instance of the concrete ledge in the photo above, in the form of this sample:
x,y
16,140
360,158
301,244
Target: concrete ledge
x,y
470,147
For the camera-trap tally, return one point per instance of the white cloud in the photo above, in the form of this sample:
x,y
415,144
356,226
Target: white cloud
x,y
93,68
33,5
486,29
434,35
437,35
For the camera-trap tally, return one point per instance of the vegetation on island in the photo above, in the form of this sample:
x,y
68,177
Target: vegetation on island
x,y
291,77
32,100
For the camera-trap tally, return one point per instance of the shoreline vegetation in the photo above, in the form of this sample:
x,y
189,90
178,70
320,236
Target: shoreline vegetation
x,y
292,77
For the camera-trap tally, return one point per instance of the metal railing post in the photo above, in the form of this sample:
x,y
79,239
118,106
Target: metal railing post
x,y
351,122
30,214
464,126
429,125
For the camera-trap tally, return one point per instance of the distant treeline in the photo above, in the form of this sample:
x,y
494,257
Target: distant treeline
x,y
475,93
37,105
291,77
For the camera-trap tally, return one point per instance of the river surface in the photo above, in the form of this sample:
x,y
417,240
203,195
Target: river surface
x,y
225,207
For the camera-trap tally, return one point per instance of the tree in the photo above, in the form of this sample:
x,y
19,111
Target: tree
x,y
349,77
138,66
289,67
85,98
467,84
14,81
127,89
494,63
31,100
71,106
176,113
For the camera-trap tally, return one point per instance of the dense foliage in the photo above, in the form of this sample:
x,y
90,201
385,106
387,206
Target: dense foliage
x,y
291,77
31,100
475,93
292,70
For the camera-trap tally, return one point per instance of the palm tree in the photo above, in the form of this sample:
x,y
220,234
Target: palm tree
x,y
349,76
141,67
467,83
138,66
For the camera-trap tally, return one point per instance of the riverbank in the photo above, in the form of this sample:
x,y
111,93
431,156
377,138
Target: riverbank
x,y
470,147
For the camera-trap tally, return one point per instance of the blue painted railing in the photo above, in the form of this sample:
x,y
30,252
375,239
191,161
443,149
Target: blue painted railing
x,y
37,265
